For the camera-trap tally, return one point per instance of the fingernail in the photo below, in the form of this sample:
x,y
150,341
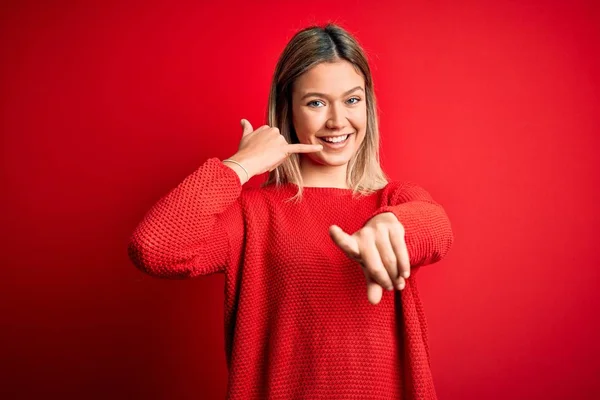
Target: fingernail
x,y
390,288
406,274
400,285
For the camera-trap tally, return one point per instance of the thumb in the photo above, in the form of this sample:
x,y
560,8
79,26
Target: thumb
x,y
246,127
345,241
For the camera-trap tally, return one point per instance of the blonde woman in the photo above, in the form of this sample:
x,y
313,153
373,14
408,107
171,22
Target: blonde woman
x,y
299,251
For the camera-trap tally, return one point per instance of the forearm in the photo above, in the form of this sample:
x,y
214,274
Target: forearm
x,y
179,232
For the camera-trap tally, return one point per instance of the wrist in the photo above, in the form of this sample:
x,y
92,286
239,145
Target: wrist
x,y
386,217
247,163
240,170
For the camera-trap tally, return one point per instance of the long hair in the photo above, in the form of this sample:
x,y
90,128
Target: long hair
x,y
307,48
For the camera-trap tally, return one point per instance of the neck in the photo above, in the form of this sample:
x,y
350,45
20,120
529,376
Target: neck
x,y
319,175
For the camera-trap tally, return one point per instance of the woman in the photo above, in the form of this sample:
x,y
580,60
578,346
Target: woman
x,y
298,251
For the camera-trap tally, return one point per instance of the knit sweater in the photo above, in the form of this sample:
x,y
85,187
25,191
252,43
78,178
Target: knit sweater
x,y
298,324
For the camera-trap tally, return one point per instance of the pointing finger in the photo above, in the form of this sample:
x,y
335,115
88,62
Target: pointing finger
x,y
374,291
401,251
387,255
374,265
304,148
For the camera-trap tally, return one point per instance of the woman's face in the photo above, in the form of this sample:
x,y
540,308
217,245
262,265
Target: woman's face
x,y
329,102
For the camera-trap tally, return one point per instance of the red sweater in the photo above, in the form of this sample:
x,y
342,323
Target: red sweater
x,y
297,319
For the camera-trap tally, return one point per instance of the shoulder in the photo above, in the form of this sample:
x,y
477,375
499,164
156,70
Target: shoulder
x,y
250,193
261,193
405,190
393,187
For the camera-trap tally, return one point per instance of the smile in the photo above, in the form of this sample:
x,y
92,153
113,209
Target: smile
x,y
335,142
336,139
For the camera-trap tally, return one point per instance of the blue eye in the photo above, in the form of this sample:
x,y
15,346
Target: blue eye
x,y
312,102
315,103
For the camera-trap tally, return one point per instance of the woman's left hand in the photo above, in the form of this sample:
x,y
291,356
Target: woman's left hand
x,y
380,248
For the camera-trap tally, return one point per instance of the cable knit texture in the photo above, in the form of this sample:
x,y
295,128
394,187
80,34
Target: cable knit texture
x,y
298,324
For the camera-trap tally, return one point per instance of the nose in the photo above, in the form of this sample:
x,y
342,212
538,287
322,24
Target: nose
x,y
337,117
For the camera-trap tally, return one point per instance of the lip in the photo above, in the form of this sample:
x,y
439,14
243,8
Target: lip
x,y
335,136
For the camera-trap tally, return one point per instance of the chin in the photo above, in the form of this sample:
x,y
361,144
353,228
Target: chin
x,y
333,160
338,160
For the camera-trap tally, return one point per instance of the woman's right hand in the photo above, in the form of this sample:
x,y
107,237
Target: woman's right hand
x,y
265,148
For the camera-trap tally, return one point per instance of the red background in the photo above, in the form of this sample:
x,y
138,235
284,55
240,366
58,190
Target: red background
x,y
491,106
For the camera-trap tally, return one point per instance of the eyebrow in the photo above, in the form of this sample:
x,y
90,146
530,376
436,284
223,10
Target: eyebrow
x,y
324,95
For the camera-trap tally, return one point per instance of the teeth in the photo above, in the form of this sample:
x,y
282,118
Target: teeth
x,y
337,139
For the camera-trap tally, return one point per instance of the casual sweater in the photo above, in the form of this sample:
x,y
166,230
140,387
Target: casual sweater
x,y
298,323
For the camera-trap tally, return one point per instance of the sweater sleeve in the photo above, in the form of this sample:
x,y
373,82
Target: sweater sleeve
x,y
428,232
193,229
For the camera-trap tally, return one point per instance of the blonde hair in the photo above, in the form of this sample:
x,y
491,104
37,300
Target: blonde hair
x,y
307,48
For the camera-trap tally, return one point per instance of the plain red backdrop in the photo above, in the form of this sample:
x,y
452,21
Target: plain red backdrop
x,y
491,106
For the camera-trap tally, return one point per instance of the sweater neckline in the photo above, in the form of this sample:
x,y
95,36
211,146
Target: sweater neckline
x,y
319,189
325,188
